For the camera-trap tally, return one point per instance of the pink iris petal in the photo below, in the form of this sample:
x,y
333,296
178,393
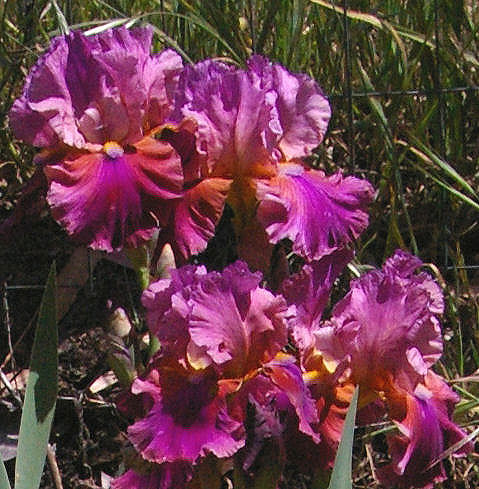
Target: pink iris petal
x,y
188,419
402,264
91,90
444,400
237,121
146,82
388,325
307,294
425,432
108,202
222,318
44,113
247,118
317,213
303,110
168,309
161,76
240,325
165,476
287,376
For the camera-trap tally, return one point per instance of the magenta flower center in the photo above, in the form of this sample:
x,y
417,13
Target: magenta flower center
x,y
113,150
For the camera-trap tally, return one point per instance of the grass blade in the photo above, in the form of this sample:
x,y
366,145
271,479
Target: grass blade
x,y
450,189
376,22
429,156
4,482
341,476
62,22
41,393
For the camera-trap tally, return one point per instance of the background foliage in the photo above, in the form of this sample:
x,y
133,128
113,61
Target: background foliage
x,y
403,81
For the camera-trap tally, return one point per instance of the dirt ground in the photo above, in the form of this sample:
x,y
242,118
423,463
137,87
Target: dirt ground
x,y
88,433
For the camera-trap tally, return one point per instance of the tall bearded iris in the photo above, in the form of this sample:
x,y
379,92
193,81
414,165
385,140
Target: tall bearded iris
x,y
253,127
93,105
385,336
221,336
215,329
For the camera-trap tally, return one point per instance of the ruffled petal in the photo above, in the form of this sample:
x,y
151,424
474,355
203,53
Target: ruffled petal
x,y
197,214
161,75
426,431
86,91
153,476
44,114
319,214
168,309
111,202
188,419
304,111
308,292
240,325
237,120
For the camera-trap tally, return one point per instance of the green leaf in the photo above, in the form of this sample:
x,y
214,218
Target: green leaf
x,y
341,476
41,393
4,482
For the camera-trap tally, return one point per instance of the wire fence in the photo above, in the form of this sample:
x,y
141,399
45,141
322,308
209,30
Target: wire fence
x,y
345,100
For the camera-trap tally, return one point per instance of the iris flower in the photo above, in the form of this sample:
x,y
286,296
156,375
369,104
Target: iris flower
x,y
93,104
385,336
252,130
222,337
215,329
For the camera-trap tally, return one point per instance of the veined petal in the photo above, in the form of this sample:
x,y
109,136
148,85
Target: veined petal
x,y
188,419
109,202
240,325
161,75
308,292
318,214
304,111
237,122
43,124
426,430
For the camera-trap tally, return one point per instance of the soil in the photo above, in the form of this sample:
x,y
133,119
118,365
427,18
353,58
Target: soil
x,y
88,433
